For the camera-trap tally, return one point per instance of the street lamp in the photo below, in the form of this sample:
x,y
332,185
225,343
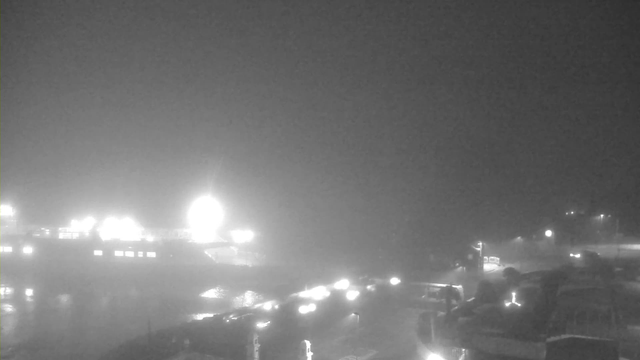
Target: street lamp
x,y
548,233
205,217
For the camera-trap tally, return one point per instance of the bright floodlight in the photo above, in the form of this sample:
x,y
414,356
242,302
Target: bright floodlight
x,y
394,281
242,236
205,217
28,292
352,295
27,250
7,210
311,307
548,233
342,284
267,306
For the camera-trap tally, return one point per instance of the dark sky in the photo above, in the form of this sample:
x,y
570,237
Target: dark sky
x,y
326,123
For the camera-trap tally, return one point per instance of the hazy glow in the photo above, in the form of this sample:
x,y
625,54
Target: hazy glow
x,y
205,217
84,226
317,293
151,254
394,281
577,256
7,309
97,252
201,316
262,324
27,250
215,293
7,210
268,306
548,233
242,236
352,295
6,249
120,229
5,291
118,253
28,292
248,298
129,254
305,309
342,284
434,356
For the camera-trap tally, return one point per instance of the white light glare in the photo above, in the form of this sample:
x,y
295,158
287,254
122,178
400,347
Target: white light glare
x,y
83,226
305,309
242,236
6,249
548,233
28,292
27,250
434,356
97,252
352,295
342,284
7,210
317,293
120,229
202,316
577,256
215,293
268,306
263,324
394,281
151,254
205,217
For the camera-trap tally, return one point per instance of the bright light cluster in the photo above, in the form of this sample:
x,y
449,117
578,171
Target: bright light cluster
x,y
394,281
120,229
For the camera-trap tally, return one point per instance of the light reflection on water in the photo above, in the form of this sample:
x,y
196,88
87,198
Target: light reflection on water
x,y
86,320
